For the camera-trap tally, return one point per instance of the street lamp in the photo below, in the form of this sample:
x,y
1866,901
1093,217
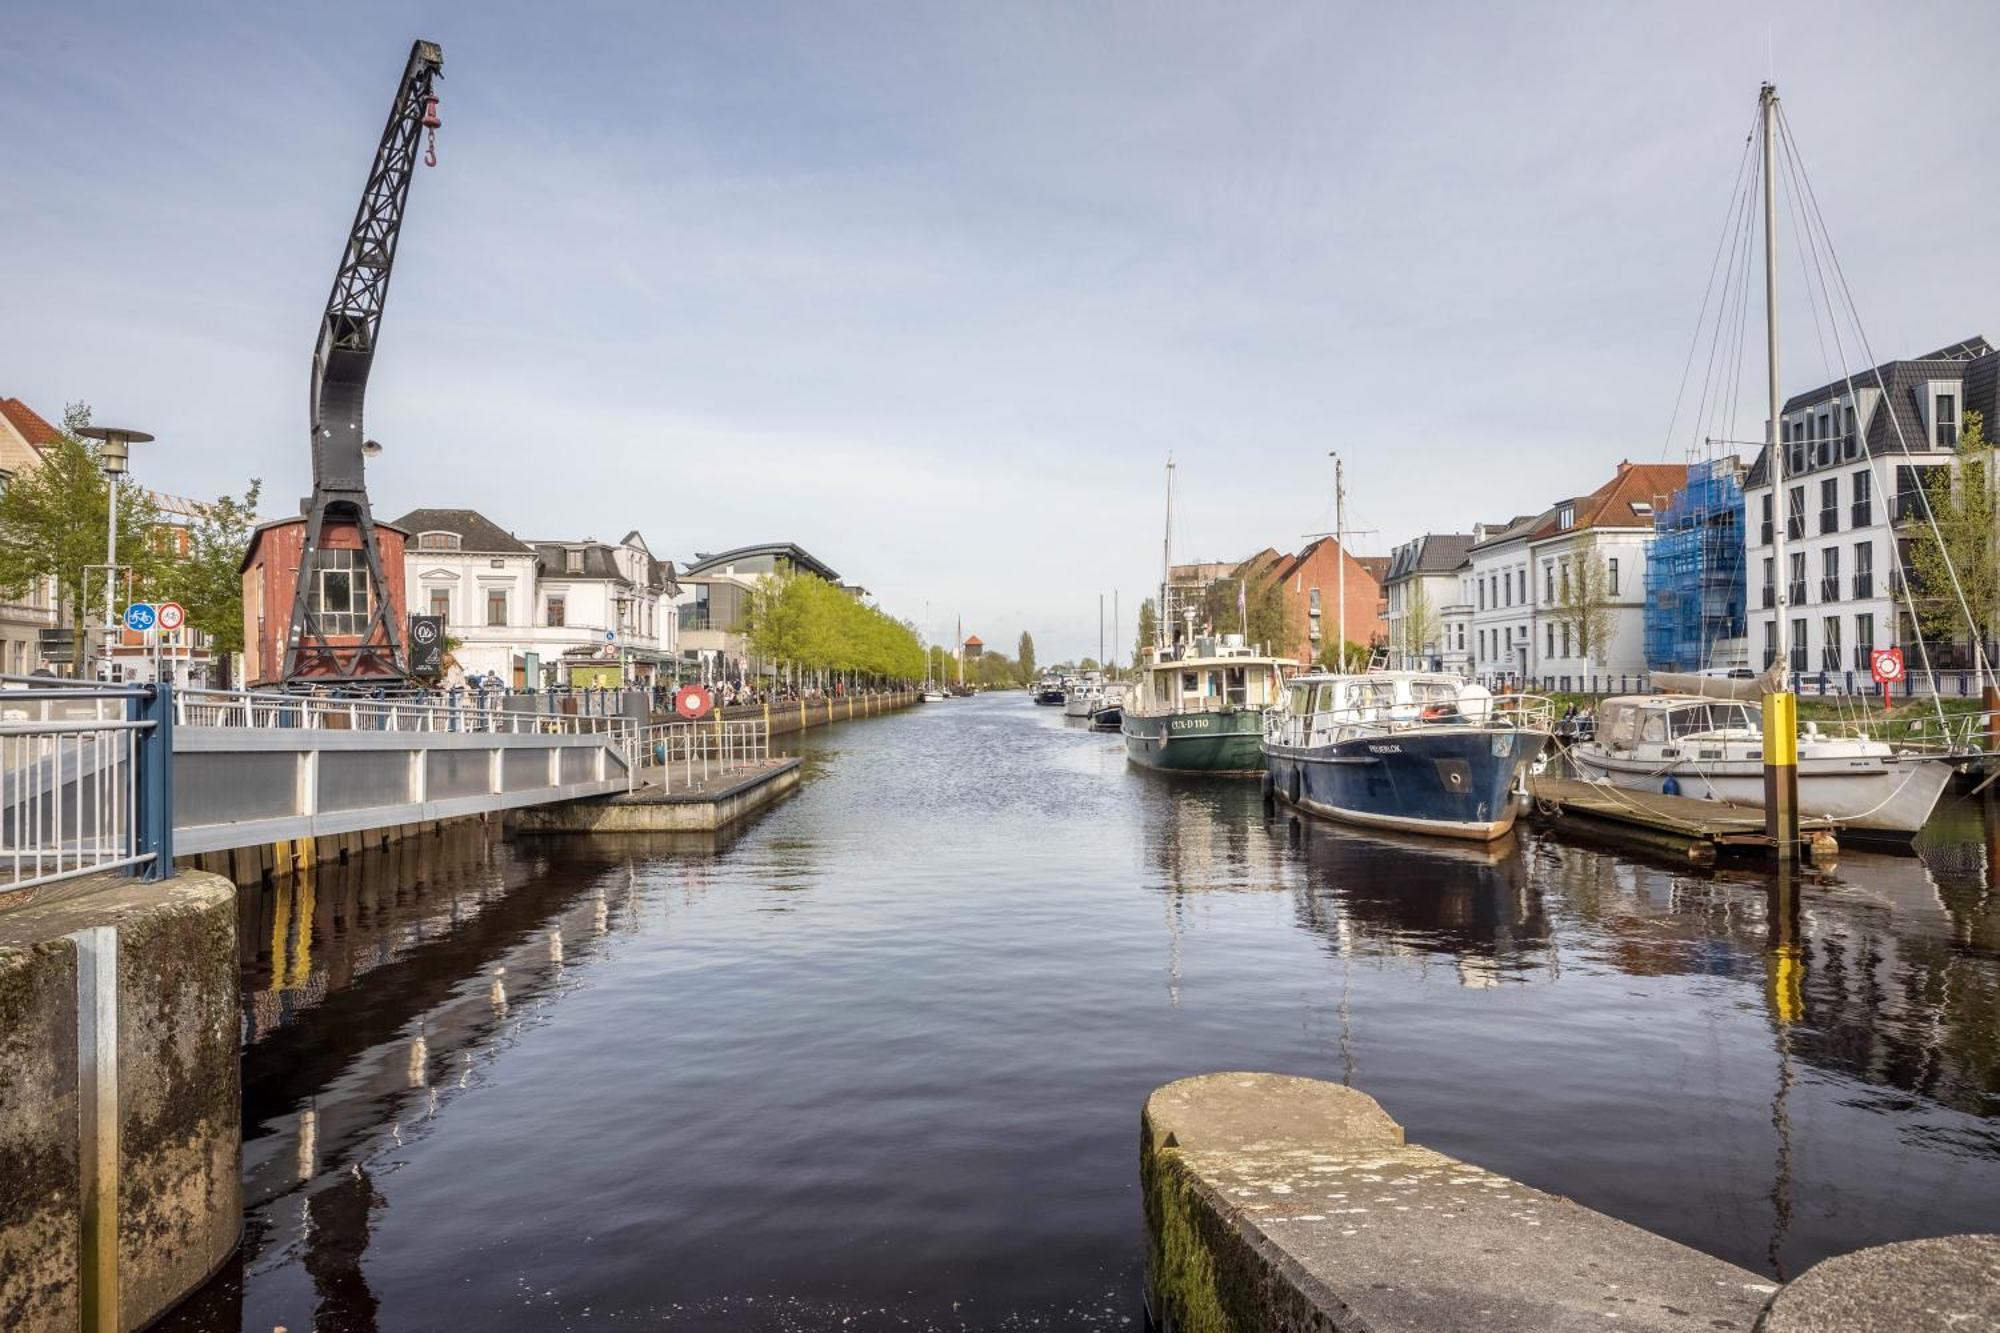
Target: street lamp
x,y
623,604
114,455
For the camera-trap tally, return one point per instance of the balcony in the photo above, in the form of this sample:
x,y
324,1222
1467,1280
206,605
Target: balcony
x,y
1829,589
1906,508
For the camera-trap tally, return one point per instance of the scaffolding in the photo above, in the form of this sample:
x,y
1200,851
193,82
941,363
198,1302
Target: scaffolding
x,y
1694,569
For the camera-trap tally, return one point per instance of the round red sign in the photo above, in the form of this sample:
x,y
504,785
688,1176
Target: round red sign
x,y
1886,664
693,702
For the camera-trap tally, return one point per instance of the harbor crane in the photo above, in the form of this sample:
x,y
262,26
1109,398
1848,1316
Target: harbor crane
x,y
346,597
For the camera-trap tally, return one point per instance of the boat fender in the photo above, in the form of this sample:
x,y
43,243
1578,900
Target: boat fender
x,y
1293,785
1670,787
1267,787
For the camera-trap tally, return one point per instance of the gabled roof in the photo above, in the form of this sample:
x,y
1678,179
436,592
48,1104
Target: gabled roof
x,y
600,561
476,532
1609,506
31,425
973,640
1432,553
1895,431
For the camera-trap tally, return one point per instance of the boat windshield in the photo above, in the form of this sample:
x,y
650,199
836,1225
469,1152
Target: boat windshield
x,y
1697,718
1433,692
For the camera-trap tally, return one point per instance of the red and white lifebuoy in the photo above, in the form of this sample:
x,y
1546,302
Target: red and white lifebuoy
x,y
693,702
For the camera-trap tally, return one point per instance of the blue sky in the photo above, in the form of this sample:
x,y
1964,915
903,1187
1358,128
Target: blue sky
x,y
933,289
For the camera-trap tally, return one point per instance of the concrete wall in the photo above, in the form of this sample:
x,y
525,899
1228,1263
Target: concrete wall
x,y
165,1207
789,718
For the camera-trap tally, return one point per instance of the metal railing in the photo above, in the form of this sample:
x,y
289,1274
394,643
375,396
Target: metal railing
x,y
1524,712
491,714
85,780
683,754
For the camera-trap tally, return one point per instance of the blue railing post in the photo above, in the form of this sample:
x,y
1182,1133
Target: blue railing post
x,y
153,763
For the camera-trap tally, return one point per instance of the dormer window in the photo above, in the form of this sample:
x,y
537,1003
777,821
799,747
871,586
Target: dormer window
x,y
1567,518
1643,508
573,561
437,541
1947,421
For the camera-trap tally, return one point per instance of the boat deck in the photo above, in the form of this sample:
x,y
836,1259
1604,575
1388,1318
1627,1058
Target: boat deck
x,y
1700,830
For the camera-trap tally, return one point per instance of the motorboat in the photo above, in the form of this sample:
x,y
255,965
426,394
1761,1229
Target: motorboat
x,y
1406,750
1198,707
1049,690
1712,749
1108,714
1084,695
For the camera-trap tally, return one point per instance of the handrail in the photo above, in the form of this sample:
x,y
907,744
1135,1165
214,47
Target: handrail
x,y
685,750
486,714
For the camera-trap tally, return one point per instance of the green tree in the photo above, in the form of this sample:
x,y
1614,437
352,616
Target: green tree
x,y
1253,604
53,521
1583,599
207,580
1025,654
1962,553
1354,659
1149,629
1418,631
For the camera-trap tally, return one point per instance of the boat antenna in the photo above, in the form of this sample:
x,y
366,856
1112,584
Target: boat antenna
x,y
1162,634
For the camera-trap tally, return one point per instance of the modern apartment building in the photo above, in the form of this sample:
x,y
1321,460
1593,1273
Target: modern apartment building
x,y
1858,452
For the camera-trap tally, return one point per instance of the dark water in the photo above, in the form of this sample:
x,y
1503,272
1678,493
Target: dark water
x,y
877,1061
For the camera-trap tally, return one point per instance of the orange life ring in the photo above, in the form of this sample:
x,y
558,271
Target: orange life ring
x,y
693,702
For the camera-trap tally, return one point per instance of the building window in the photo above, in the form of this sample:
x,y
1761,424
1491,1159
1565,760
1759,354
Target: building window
x,y
558,611
441,602
1549,581
1611,576
496,607
1863,509
1864,641
1864,570
1829,574
1770,583
437,541
1798,645
573,561
1795,584
1947,421
1766,530
1567,519
340,591
1312,600
1566,651
1551,635
1829,505
1850,443
1829,648
1770,642
1482,594
1795,512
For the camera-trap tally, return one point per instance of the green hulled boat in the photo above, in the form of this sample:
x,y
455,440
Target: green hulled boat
x,y
1199,707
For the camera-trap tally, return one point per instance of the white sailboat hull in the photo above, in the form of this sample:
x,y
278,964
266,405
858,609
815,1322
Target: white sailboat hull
x,y
1871,792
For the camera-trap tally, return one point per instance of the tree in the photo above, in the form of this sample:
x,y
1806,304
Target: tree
x,y
208,580
1149,629
1252,603
53,521
1418,631
1354,659
1583,599
1025,654
1964,548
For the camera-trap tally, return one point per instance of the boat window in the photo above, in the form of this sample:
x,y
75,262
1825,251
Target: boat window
x,y
1432,692
1211,685
1325,699
1302,699
1190,682
1235,687
1654,728
1621,725
1687,721
1753,717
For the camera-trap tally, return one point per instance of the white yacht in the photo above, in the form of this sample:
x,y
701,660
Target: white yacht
x,y
1713,749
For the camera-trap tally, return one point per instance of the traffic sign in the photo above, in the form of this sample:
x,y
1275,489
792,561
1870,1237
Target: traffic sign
x,y
1887,665
610,636
140,616
171,615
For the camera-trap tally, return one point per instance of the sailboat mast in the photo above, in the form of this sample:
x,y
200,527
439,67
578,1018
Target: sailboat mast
x,y
1162,635
1100,631
1340,560
1780,511
1781,708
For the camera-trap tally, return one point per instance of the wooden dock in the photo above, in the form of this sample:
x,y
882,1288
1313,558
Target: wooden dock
x,y
1701,831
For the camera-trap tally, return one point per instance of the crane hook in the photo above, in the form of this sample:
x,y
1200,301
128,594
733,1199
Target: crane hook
x,y
431,123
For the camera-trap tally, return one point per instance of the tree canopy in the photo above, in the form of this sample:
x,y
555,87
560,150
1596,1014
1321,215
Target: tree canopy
x,y
805,621
1025,654
1961,556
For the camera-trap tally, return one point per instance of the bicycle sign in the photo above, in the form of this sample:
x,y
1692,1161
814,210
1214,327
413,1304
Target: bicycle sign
x,y
141,616
171,615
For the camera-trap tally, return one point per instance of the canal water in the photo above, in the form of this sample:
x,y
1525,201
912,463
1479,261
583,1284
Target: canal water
x,y
876,1061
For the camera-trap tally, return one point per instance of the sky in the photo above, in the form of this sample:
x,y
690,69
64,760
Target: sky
x,y
935,289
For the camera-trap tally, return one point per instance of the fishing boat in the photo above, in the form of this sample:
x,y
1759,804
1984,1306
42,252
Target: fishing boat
x,y
1405,750
1711,747
1199,707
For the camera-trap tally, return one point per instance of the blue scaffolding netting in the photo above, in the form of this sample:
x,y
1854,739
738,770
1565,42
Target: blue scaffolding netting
x,y
1694,569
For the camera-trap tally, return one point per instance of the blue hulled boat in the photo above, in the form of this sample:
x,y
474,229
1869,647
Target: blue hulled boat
x,y
1404,750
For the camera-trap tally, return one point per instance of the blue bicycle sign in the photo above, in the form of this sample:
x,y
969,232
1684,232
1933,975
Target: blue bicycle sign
x,y
140,616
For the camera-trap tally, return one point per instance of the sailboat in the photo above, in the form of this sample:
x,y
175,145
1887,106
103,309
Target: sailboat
x,y
1708,738
931,693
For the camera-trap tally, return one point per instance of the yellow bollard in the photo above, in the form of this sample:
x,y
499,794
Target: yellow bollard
x,y
1781,773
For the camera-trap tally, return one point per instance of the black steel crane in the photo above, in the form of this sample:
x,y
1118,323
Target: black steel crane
x,y
341,593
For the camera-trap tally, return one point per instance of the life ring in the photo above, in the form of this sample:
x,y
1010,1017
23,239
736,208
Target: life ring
x,y
1435,712
693,702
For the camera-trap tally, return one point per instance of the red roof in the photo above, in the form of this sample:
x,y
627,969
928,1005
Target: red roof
x,y
972,639
26,420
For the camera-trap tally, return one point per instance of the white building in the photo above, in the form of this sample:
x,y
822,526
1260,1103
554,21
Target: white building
x,y
537,614
1422,582
1855,461
713,603
25,613
1530,580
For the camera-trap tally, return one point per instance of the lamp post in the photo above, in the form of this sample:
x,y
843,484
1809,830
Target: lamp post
x,y
114,455
622,603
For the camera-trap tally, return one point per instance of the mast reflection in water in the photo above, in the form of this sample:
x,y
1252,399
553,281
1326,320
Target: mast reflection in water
x,y
877,1059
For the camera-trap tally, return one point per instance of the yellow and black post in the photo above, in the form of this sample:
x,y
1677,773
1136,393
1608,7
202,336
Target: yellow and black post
x,y
1781,773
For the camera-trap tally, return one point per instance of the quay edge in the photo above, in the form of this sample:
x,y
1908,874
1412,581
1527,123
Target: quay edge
x,y
118,1204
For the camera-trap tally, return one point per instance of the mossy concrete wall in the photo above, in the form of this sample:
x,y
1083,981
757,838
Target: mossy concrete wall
x,y
176,1187
1277,1204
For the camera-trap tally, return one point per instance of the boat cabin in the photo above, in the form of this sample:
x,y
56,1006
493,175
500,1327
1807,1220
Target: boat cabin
x,y
1212,675
1630,722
